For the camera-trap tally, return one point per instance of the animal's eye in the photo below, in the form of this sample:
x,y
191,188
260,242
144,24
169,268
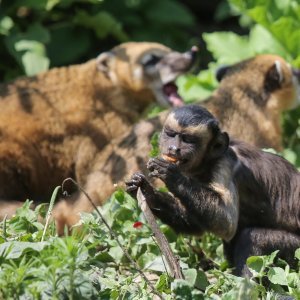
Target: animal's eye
x,y
150,60
170,133
189,139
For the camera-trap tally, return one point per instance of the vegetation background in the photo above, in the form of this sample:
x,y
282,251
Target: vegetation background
x,y
36,35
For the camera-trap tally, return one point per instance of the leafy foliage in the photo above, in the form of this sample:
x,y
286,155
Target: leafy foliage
x,y
89,264
38,34
273,28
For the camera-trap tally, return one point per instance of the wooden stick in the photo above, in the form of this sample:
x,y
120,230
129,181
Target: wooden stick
x,y
162,242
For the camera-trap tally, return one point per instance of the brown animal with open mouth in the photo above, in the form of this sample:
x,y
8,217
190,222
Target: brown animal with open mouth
x,y
54,125
248,103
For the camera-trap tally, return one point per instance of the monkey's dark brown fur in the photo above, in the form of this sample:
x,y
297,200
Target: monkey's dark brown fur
x,y
247,197
248,103
55,125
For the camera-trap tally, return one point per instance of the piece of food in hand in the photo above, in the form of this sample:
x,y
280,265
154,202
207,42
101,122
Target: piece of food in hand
x,y
168,158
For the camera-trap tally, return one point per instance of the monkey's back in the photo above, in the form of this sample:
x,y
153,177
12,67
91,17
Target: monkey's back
x,y
269,189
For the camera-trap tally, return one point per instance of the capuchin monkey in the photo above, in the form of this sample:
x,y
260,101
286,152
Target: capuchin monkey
x,y
248,104
247,197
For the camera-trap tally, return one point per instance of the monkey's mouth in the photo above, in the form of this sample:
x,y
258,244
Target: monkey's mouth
x,y
174,159
170,91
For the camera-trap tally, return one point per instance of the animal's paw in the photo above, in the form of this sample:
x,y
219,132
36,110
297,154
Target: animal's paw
x,y
161,168
137,180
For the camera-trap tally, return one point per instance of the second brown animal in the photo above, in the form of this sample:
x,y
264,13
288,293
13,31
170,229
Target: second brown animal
x,y
248,103
55,124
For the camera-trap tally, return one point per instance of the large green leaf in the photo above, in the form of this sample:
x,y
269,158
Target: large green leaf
x,y
277,276
263,41
228,47
34,59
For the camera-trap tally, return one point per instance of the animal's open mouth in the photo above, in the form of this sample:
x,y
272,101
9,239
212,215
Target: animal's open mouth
x,y
170,90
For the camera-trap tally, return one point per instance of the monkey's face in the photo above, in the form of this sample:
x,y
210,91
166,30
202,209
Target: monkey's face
x,y
184,145
272,83
147,70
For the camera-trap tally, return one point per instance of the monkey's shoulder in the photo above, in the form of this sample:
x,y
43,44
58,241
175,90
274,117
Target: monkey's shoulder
x,y
265,173
255,158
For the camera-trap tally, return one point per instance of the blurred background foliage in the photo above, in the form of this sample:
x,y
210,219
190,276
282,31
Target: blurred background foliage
x,y
36,35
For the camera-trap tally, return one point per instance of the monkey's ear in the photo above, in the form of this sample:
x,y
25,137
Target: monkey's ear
x,y
274,76
219,145
103,61
221,72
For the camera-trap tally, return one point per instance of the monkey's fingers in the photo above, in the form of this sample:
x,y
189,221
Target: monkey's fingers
x,y
138,176
133,182
131,188
154,173
154,163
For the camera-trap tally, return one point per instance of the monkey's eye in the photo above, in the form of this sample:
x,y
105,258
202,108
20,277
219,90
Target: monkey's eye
x,y
170,133
150,60
189,139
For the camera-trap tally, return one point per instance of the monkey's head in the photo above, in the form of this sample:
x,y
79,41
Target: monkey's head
x,y
147,70
190,137
270,81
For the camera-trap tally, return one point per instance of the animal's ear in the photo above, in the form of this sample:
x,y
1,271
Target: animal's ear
x,y
274,76
103,61
221,72
219,145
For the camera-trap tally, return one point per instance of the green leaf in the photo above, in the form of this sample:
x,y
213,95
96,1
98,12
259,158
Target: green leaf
x,y
16,249
162,283
152,262
255,263
245,289
269,259
105,257
194,88
228,47
51,3
34,59
181,289
262,41
117,253
277,276
293,280
28,48
196,278
6,24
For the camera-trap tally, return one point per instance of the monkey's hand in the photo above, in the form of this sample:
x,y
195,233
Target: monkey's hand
x,y
163,170
138,180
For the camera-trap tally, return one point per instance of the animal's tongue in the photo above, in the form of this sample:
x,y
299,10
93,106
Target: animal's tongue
x,y
170,90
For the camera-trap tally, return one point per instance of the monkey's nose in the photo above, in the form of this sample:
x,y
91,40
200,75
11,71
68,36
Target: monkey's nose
x,y
173,150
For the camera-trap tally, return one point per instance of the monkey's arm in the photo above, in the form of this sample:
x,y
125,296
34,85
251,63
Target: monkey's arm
x,y
201,206
163,205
